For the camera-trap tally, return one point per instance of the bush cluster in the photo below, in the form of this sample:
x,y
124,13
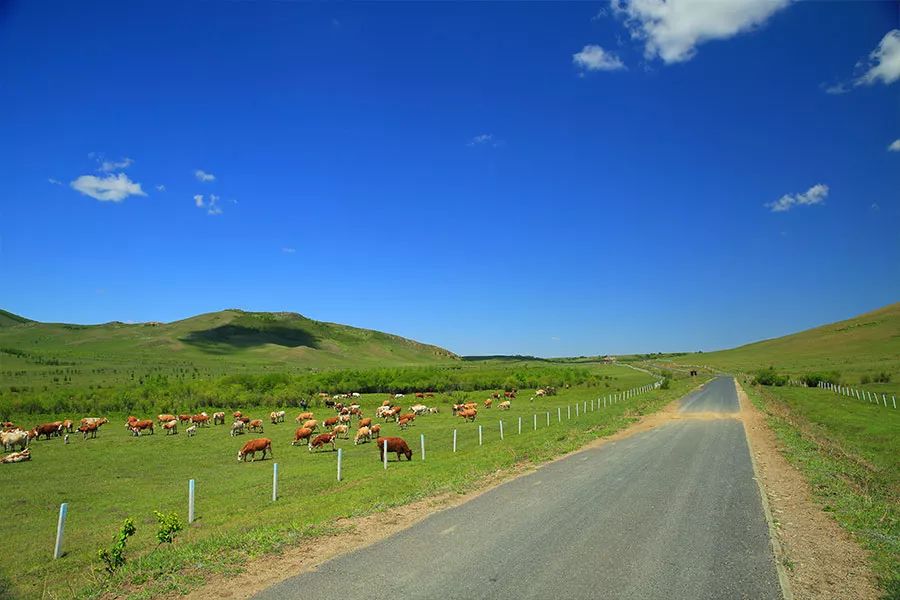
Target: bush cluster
x,y
813,379
769,377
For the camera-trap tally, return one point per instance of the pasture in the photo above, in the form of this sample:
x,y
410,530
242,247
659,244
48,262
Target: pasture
x,y
117,476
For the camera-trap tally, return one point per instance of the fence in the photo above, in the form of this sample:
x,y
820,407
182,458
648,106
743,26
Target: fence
x,y
871,397
581,409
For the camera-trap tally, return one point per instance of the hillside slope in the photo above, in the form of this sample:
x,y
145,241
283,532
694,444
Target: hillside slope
x,y
866,344
229,340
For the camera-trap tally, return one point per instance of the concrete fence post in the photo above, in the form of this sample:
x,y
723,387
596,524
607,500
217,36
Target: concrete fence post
x,y
60,529
559,414
535,421
274,482
422,444
385,455
454,440
190,501
479,436
568,411
520,425
340,456
501,429
548,418
576,410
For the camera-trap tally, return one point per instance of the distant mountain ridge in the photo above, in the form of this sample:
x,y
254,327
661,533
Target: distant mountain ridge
x,y
281,337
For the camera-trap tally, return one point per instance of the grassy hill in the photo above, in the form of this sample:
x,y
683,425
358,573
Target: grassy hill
x,y
865,345
210,344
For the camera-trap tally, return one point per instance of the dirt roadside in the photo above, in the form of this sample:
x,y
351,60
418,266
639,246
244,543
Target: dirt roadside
x,y
820,559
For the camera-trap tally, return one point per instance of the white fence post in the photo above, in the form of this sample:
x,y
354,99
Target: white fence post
x,y
340,456
60,528
190,501
559,414
576,410
422,443
454,440
535,421
894,398
385,454
568,411
520,425
479,436
501,429
274,482
548,418
883,397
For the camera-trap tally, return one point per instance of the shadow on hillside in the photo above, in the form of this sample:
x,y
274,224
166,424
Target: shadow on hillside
x,y
238,336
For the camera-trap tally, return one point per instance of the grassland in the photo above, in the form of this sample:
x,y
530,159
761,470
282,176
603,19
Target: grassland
x,y
848,449
118,476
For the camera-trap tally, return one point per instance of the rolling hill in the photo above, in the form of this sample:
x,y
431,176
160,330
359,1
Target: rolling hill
x,y
225,341
866,344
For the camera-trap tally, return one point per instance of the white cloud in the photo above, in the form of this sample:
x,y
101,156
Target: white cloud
x,y
160,188
485,139
113,188
895,146
814,195
594,58
54,181
202,175
837,89
211,204
108,165
884,61
198,200
672,29
288,250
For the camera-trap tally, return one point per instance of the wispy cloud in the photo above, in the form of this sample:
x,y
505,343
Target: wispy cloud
x,y
485,139
202,175
113,188
107,166
210,203
594,58
672,29
884,61
814,195
54,181
160,188
288,250
895,146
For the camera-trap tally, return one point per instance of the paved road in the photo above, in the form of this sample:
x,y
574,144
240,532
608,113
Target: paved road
x,y
672,513
716,396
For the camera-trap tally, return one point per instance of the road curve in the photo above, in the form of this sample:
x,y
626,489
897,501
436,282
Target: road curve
x,y
671,513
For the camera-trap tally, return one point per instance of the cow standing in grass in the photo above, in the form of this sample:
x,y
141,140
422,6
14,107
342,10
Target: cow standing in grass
x,y
394,444
253,446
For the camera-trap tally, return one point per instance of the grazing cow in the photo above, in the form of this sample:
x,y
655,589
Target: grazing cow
x,y
367,422
419,409
363,434
164,418
471,405
341,430
304,416
9,425
329,403
398,395
237,428
375,429
321,440
311,424
277,416
255,425
302,433
142,425
345,410
330,422
394,444
202,420
356,410
429,395
218,418
68,426
184,418
488,403
420,395
505,405
540,392
468,414
98,420
243,420
344,419
382,411
237,414
11,439
386,403
434,410
355,394
191,430
17,457
171,427
495,395
403,423
510,395
253,446
409,417
89,428
48,429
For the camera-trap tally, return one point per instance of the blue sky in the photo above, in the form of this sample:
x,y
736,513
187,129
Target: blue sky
x,y
550,179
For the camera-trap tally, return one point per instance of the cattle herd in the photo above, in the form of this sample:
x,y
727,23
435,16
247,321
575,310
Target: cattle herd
x,y
316,433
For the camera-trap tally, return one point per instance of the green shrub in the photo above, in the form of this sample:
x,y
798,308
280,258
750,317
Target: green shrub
x,y
813,379
169,526
769,377
115,556
882,377
865,379
666,382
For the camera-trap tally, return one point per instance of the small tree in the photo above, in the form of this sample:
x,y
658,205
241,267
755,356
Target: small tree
x,y
115,556
169,526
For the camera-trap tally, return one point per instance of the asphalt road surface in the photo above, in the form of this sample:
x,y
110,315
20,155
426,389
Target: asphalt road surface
x,y
671,513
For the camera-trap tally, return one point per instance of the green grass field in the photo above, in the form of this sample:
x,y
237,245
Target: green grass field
x,y
118,476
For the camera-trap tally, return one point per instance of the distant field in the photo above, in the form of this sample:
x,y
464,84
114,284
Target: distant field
x,y
118,476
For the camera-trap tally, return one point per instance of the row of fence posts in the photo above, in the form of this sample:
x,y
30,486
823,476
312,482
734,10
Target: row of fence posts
x,y
858,394
582,408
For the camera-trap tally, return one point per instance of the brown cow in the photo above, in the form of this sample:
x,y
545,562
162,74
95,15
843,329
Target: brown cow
x,y
330,422
304,416
243,420
367,422
488,403
171,427
505,405
375,429
468,414
253,446
387,402
420,395
48,429
394,444
302,433
165,418
321,440
403,423
184,418
363,434
68,426
341,430
255,425
142,425
237,414
202,420
89,428
311,424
